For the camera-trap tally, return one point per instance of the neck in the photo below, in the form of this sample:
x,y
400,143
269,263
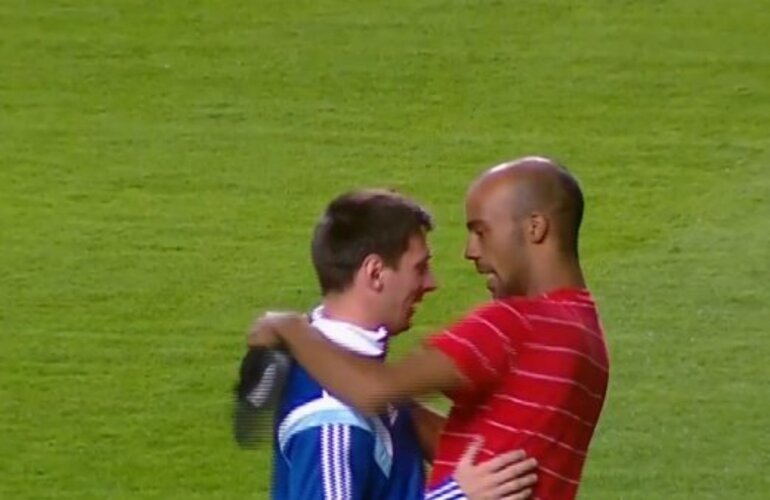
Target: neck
x,y
346,307
556,274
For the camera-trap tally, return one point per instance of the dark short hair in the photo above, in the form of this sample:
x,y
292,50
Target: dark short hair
x,y
362,223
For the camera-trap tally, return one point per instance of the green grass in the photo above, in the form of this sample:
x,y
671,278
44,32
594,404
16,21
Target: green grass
x,y
162,164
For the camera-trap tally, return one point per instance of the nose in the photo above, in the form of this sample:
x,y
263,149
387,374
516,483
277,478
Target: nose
x,y
471,249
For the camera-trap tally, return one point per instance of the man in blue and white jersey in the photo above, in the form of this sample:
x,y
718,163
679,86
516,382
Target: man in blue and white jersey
x,y
373,264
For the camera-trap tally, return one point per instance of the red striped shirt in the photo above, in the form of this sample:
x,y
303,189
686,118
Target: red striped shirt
x,y
538,371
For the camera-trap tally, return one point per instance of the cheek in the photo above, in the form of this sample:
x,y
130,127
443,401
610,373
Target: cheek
x,y
505,252
415,285
496,245
404,286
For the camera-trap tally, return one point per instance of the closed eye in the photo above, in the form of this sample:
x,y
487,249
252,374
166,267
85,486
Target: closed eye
x,y
476,227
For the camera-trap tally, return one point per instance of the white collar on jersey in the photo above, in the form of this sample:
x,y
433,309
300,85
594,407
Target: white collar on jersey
x,y
350,336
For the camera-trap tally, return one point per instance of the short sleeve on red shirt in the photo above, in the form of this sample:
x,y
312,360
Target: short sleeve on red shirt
x,y
480,344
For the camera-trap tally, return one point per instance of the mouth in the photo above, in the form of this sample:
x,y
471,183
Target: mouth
x,y
483,268
491,277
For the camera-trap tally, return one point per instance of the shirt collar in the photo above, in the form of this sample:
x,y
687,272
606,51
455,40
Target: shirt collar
x,y
372,343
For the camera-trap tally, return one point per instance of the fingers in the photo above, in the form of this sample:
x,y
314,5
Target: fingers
x,y
509,476
515,481
522,495
518,469
503,461
262,334
514,474
469,457
267,329
514,485
276,315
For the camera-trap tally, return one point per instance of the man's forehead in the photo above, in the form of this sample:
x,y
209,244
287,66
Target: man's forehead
x,y
418,245
489,198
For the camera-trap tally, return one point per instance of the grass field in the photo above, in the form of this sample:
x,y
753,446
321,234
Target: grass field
x,y
161,164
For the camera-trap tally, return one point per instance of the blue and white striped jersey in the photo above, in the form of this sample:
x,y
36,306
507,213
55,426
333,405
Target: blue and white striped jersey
x,y
326,450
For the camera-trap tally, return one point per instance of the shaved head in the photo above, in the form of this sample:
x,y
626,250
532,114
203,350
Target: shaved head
x,y
523,220
536,184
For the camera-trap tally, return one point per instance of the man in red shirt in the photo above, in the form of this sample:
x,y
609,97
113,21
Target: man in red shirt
x,y
527,370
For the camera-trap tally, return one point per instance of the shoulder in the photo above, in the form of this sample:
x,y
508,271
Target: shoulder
x,y
506,314
327,421
317,413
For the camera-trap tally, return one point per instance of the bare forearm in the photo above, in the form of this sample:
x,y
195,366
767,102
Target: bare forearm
x,y
366,384
358,381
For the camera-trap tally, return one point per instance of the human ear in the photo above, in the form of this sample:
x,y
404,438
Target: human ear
x,y
371,270
537,228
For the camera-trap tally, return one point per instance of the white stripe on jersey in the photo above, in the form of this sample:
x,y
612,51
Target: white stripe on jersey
x,y
450,491
327,465
335,462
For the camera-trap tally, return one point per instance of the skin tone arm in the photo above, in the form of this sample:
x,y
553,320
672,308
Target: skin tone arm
x,y
365,384
428,424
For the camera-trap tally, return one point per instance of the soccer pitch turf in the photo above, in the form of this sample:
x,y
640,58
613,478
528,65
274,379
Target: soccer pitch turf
x,y
162,164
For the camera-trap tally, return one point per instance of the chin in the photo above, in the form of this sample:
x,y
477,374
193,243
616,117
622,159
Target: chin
x,y
400,328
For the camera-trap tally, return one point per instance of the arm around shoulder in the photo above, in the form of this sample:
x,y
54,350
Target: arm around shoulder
x,y
367,384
